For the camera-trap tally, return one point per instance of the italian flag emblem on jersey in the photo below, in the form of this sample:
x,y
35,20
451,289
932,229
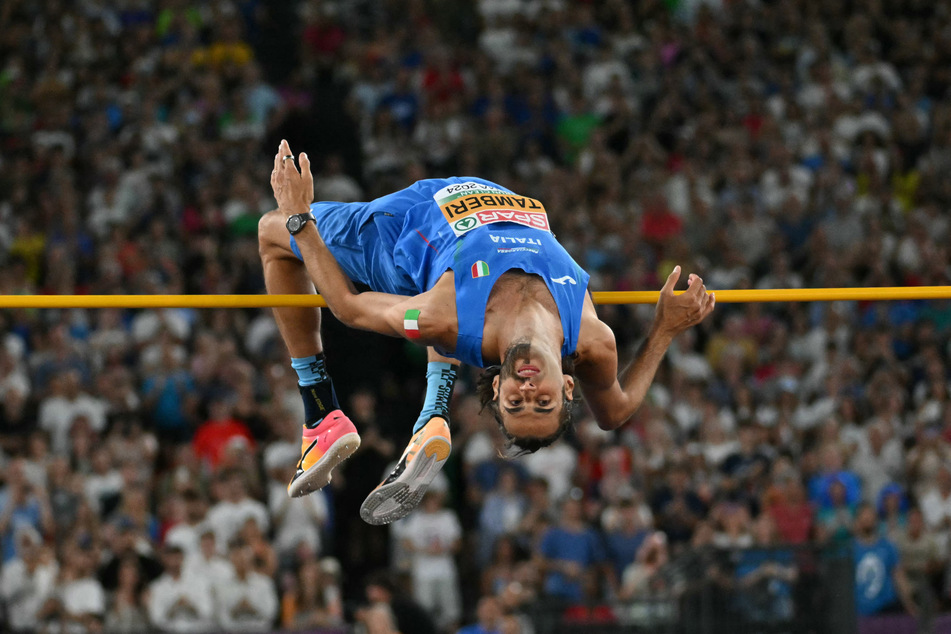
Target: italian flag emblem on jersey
x,y
480,269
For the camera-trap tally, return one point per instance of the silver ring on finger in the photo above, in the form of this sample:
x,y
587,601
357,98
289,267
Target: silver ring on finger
x,y
289,156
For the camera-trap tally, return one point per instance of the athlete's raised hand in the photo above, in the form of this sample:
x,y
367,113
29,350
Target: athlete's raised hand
x,y
677,312
293,189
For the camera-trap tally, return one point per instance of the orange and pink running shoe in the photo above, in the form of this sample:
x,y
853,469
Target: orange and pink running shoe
x,y
323,448
402,490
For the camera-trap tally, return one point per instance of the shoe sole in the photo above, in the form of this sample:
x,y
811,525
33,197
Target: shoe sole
x,y
390,502
319,474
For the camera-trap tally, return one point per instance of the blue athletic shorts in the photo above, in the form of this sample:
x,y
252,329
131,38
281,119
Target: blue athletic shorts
x,y
399,243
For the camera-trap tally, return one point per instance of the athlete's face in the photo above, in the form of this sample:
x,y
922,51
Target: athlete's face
x,y
531,391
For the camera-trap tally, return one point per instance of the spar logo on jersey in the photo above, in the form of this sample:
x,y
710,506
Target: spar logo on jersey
x,y
461,226
466,206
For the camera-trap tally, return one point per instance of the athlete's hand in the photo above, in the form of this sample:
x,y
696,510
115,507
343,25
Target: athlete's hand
x,y
676,313
293,190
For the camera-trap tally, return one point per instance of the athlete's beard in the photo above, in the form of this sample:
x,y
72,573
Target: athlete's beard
x,y
516,352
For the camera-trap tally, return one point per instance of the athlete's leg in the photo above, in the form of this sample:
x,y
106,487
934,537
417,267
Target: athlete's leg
x,y
284,273
328,436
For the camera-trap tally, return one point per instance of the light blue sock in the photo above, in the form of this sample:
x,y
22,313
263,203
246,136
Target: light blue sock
x,y
310,370
440,378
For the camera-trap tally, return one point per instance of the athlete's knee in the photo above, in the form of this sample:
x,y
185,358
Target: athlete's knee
x,y
270,231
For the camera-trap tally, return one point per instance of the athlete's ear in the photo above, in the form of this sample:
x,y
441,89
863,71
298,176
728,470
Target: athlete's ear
x,y
495,387
569,387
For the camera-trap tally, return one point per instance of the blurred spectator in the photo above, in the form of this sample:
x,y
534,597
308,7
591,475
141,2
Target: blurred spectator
x,y
263,557
936,505
206,561
235,506
502,511
677,508
388,613
569,553
549,463
66,404
624,538
186,531
920,558
220,432
27,581
765,574
831,473
78,602
880,583
104,482
168,394
489,618
295,520
892,510
643,577
834,522
126,613
180,601
878,461
733,526
786,503
22,506
501,569
248,601
432,536
128,544
332,183
313,599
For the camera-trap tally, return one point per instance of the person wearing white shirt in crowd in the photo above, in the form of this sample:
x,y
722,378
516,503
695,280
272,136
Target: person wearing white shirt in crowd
x,y
205,561
295,520
877,461
234,508
186,533
936,506
556,464
27,581
180,601
432,536
248,601
78,603
67,402
104,482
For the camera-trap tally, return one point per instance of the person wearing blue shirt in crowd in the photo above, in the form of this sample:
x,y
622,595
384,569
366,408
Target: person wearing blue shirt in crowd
x,y
20,507
625,538
765,574
569,551
832,472
170,394
880,583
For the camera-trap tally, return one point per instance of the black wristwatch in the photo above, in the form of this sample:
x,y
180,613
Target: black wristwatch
x,y
297,222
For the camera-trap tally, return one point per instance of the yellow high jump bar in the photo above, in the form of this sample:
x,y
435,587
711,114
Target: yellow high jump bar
x,y
604,297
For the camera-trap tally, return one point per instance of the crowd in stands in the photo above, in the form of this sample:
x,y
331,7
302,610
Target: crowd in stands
x,y
760,143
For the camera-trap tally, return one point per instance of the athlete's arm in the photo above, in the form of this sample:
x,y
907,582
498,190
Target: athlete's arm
x,y
612,397
294,192
369,310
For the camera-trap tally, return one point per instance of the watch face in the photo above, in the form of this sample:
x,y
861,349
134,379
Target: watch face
x,y
294,223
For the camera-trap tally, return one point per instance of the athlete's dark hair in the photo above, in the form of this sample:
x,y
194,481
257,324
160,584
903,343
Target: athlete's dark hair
x,y
529,444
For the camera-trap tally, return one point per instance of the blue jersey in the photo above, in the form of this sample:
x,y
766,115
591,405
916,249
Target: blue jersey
x,y
404,242
874,566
